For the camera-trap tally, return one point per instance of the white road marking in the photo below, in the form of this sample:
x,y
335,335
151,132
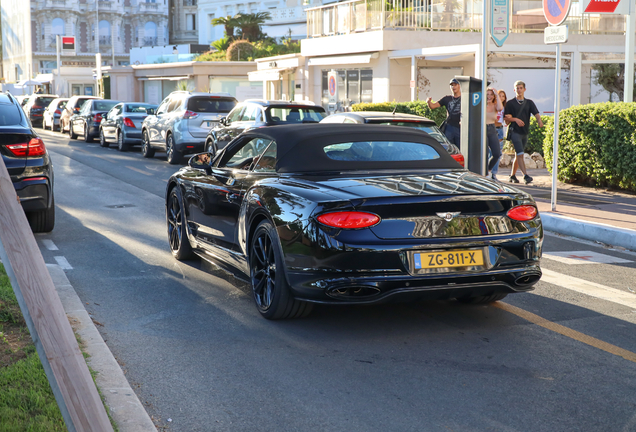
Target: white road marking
x,y
583,257
63,263
49,244
589,288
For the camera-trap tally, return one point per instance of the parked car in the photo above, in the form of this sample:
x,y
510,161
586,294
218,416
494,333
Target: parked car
x,y
51,116
352,214
72,107
122,124
87,121
29,165
258,113
182,122
23,99
36,106
399,119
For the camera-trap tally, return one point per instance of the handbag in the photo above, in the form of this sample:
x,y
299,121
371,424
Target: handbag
x,y
507,133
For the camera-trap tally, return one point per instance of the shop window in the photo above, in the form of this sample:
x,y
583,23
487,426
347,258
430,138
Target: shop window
x,y
191,21
354,86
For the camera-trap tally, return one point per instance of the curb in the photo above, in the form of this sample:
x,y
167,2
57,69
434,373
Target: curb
x,y
124,405
587,230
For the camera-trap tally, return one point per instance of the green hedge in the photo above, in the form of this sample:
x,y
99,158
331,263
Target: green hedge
x,y
419,107
597,144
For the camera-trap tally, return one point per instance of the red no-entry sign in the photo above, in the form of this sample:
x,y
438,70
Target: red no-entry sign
x,y
556,11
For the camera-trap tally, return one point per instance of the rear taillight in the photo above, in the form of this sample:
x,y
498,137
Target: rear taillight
x,y
128,122
190,114
459,158
57,111
523,213
35,147
97,118
36,106
349,219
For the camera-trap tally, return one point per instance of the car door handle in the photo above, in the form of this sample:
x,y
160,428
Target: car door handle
x,y
232,197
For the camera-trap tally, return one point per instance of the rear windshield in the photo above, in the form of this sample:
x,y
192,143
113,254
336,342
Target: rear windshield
x,y
432,130
141,108
294,114
9,115
62,104
380,151
210,104
43,101
104,105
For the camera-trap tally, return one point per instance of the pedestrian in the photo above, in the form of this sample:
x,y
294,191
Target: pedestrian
x,y
453,105
493,107
517,115
499,125
39,90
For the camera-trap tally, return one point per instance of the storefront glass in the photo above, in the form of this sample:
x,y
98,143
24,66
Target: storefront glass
x,y
354,86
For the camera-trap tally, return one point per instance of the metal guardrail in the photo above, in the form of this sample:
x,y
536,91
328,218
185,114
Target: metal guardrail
x,y
460,15
63,362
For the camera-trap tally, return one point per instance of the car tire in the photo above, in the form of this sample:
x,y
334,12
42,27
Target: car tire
x,y
71,134
87,137
146,150
42,220
270,290
172,155
482,299
102,139
121,145
177,229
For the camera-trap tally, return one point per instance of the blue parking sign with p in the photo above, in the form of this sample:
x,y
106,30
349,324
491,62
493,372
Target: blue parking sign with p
x,y
476,98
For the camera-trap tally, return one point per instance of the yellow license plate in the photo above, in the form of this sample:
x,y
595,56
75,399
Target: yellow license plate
x,y
457,258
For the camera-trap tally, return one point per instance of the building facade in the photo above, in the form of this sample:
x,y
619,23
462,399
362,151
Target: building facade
x,y
108,27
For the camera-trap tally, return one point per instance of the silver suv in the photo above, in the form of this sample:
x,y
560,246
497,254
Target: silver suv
x,y
181,123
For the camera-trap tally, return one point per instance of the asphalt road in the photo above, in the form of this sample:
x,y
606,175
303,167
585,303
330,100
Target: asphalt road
x,y
200,357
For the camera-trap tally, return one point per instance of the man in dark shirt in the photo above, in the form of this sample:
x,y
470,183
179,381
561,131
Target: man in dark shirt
x,y
453,105
517,116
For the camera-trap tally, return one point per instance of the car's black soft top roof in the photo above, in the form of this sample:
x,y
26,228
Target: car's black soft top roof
x,y
300,147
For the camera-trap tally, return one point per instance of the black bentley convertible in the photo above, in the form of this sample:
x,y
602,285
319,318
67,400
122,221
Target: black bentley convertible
x,y
352,214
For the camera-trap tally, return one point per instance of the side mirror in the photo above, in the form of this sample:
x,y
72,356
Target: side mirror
x,y
104,116
202,161
223,121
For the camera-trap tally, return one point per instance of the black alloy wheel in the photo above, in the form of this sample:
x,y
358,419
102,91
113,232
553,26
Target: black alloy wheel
x,y
71,134
87,137
102,139
177,231
172,155
121,145
270,289
146,150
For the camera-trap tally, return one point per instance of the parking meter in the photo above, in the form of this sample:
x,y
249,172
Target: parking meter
x,y
471,123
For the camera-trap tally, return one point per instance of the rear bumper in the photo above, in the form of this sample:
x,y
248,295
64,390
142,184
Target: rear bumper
x,y
34,195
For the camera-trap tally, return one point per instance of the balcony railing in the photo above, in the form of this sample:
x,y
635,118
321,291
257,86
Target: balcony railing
x,y
189,2
459,15
104,41
148,7
149,41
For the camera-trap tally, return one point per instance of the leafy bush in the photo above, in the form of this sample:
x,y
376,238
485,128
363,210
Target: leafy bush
x,y
222,44
212,56
597,144
240,49
417,107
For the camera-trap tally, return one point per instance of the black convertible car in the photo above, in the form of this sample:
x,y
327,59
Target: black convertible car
x,y
352,214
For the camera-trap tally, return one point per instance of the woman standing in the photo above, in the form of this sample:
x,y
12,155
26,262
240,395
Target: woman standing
x,y
499,125
493,107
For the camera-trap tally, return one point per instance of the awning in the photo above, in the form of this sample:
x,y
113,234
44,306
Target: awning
x,y
269,74
44,78
343,60
170,78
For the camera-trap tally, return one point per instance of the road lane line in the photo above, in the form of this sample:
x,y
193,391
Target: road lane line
x,y
63,263
567,332
589,288
49,244
138,170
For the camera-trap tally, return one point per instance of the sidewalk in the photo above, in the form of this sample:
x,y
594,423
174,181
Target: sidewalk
x,y
593,214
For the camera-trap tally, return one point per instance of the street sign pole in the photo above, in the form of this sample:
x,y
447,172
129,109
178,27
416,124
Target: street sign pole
x,y
630,35
557,108
484,85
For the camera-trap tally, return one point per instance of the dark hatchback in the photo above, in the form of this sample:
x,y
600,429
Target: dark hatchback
x,y
28,163
257,113
122,124
36,106
87,121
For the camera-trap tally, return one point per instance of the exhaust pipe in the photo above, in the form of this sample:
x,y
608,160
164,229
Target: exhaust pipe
x,y
355,292
527,279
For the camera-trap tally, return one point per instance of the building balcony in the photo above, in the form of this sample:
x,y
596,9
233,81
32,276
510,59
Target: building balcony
x,y
146,7
149,41
189,2
355,16
55,4
105,41
287,15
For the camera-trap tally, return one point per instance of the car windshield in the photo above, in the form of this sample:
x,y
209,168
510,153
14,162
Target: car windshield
x,y
432,130
211,104
104,105
295,114
9,115
140,108
380,151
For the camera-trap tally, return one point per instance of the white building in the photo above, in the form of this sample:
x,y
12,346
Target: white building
x,y
110,27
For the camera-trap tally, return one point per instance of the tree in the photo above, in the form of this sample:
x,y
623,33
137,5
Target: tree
x,y
250,25
228,22
611,76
